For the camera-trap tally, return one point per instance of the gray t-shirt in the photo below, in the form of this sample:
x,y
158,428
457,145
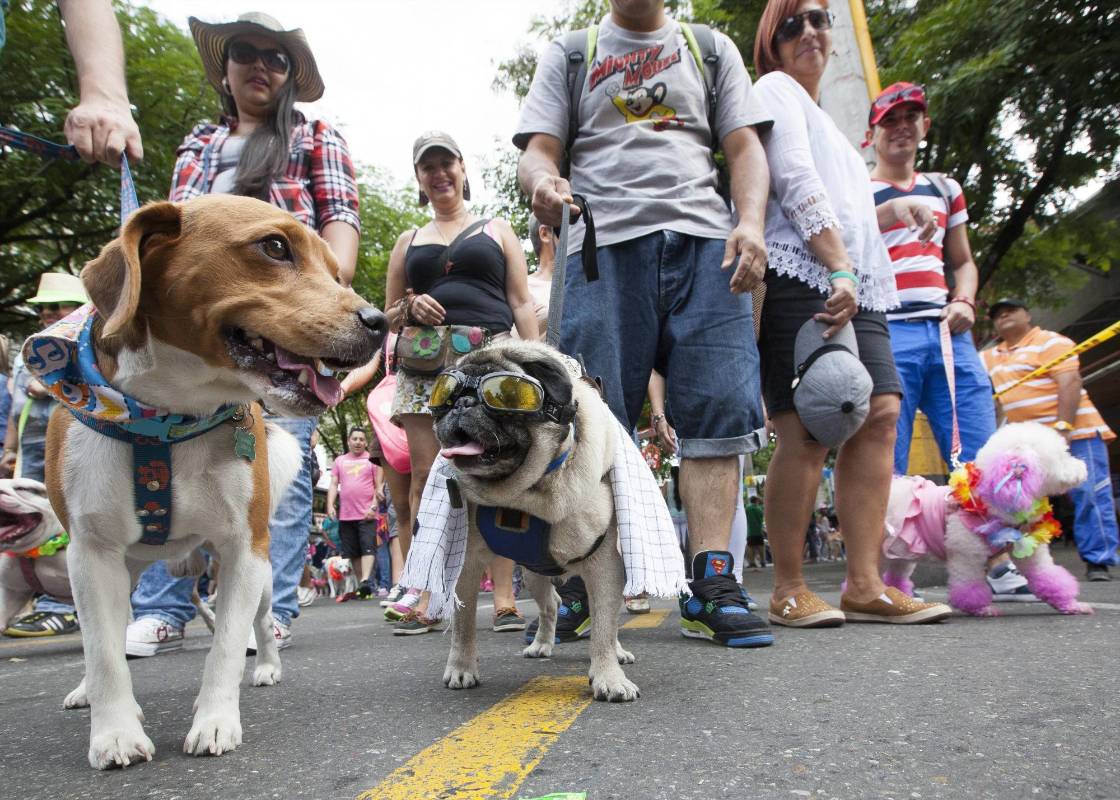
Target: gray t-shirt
x,y
228,159
642,155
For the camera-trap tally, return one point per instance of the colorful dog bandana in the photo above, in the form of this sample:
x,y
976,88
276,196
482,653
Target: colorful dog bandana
x,y
63,359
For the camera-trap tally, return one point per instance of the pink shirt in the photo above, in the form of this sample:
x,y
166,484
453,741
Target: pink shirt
x,y
356,490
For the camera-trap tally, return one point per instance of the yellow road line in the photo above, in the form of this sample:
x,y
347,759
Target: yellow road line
x,y
490,756
651,620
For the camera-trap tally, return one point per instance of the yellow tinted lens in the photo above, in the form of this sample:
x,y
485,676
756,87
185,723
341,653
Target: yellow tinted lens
x,y
442,390
509,393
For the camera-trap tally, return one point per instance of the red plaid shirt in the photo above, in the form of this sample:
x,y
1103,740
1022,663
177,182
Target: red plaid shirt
x,y
318,187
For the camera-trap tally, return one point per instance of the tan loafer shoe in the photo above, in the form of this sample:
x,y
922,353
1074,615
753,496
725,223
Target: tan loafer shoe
x,y
805,610
894,607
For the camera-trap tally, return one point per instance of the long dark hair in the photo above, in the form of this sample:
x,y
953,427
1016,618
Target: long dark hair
x,y
264,157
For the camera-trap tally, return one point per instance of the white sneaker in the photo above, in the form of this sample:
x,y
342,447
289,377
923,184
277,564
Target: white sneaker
x,y
306,595
283,634
1009,586
395,595
400,609
149,636
637,605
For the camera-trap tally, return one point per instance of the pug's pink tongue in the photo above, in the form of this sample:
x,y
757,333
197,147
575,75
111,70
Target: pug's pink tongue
x,y
468,449
325,388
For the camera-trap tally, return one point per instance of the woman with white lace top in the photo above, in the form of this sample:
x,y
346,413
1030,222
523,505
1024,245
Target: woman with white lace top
x,y
827,262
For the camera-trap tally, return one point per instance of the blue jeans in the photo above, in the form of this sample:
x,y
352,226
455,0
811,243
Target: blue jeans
x,y
917,357
161,596
384,567
662,302
1094,527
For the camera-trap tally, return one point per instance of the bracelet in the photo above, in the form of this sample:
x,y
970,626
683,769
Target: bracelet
x,y
962,299
843,273
656,418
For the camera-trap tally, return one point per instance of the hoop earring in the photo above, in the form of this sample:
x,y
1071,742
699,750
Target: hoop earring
x,y
225,86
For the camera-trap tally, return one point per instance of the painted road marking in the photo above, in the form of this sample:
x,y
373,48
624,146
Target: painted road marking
x,y
490,756
651,620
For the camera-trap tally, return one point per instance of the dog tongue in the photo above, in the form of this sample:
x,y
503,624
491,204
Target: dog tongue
x,y
468,449
325,388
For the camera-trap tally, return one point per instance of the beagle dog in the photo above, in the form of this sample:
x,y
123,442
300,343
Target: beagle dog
x,y
158,445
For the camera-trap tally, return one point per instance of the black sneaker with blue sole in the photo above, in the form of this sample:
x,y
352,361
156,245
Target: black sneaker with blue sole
x,y
573,618
719,608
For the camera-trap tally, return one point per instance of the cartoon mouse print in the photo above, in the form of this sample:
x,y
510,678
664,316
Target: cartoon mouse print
x,y
645,103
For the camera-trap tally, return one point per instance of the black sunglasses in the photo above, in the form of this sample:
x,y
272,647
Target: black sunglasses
x,y
274,60
57,306
791,27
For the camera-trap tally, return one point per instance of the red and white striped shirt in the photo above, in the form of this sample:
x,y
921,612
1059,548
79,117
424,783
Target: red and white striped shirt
x,y
919,269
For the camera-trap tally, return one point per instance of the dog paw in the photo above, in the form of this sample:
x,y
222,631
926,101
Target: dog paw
x,y
266,675
614,688
538,650
213,733
77,698
119,746
1077,608
624,656
458,678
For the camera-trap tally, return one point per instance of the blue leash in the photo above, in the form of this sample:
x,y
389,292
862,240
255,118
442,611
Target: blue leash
x,y
67,152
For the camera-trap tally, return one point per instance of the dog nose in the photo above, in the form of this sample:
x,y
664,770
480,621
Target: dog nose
x,y
374,320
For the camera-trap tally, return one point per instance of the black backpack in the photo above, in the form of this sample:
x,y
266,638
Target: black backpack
x,y
580,49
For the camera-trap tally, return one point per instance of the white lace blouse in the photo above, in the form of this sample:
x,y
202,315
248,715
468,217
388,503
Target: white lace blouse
x,y
818,181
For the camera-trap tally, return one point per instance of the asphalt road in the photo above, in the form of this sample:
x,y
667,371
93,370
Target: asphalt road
x,y
1018,707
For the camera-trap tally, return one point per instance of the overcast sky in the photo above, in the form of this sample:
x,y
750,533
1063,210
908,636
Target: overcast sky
x,y
395,68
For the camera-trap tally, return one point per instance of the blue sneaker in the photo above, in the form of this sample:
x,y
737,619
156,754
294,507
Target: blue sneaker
x,y
573,618
719,608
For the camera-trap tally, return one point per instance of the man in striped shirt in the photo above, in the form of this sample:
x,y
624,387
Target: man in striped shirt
x,y
898,123
1057,399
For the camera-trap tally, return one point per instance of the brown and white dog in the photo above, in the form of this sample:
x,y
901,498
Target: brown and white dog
x,y
218,301
26,523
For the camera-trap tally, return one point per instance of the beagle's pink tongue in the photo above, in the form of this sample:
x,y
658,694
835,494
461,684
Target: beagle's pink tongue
x,y
325,388
468,449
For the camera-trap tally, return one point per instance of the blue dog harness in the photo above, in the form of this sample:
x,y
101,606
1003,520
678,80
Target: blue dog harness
x,y
63,359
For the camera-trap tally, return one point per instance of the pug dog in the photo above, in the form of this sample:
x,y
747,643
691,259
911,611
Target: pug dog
x,y
531,444
27,523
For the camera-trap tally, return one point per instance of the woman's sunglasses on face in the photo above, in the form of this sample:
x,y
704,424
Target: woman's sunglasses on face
x,y
274,60
56,307
791,27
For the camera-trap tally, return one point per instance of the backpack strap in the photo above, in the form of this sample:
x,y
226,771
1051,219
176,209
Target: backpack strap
x,y
579,47
702,44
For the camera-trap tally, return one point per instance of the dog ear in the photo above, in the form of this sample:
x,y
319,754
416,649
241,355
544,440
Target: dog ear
x,y
553,376
113,279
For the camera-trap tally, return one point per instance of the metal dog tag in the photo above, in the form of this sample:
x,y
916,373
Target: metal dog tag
x,y
245,444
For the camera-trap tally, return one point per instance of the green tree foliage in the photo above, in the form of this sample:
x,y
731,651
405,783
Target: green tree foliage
x,y
55,215
1025,99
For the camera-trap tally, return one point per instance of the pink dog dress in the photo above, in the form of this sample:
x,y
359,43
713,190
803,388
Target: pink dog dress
x,y
921,531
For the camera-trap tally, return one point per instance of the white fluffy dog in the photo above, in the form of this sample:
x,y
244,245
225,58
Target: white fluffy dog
x,y
340,576
994,504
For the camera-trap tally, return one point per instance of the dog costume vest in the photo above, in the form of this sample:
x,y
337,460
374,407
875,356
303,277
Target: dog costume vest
x,y
63,359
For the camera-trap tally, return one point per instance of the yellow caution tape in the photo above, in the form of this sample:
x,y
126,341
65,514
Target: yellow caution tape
x,y
1091,342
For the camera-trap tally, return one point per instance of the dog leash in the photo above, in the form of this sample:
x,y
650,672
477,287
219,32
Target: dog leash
x,y
53,151
590,265
951,377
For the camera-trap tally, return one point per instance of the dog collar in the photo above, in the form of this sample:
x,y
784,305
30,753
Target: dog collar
x,y
555,464
47,548
63,359
1024,532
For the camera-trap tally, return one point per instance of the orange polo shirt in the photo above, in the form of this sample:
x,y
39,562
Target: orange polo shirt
x,y
1037,400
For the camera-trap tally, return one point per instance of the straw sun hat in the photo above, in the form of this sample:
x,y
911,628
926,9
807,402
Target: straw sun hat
x,y
213,38
60,287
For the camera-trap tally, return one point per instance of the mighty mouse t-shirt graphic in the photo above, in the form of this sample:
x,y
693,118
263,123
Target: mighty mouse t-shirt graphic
x,y
638,96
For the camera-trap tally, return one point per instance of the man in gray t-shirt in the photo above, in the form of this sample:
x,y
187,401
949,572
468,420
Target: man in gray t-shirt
x,y
676,265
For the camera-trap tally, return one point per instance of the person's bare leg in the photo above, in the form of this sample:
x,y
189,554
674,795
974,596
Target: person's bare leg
x,y
708,487
363,568
399,490
396,560
791,489
423,447
863,483
501,573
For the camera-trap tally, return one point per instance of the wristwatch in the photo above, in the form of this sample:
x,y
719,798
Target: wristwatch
x,y
1061,426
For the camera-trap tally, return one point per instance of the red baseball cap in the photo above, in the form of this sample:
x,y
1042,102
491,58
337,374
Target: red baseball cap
x,y
896,94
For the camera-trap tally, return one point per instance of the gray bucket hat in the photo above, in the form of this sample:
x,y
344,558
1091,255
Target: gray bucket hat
x,y
213,38
831,387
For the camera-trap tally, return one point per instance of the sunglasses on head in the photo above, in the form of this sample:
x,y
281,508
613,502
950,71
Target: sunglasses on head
x,y
791,27
274,60
916,94
501,393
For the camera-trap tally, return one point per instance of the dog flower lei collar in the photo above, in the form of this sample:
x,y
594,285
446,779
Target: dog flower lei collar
x,y
1024,530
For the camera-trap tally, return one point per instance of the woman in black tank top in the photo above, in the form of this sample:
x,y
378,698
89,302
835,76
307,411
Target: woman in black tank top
x,y
484,283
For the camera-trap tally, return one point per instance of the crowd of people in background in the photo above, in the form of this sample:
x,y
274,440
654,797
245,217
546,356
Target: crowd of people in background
x,y
879,267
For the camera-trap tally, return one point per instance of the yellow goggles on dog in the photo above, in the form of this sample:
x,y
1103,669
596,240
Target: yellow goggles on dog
x,y
501,393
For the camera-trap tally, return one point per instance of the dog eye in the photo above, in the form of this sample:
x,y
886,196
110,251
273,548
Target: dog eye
x,y
276,248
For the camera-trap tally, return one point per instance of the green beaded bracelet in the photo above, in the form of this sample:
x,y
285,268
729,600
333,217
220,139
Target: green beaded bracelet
x,y
843,273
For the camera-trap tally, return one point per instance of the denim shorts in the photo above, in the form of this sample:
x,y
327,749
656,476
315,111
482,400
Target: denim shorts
x,y
662,302
789,304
